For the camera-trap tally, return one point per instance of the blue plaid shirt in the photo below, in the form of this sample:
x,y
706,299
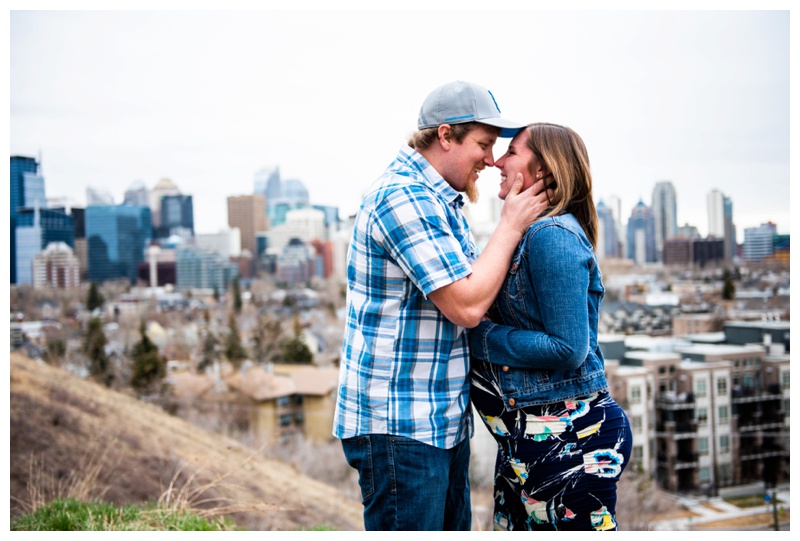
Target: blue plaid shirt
x,y
404,366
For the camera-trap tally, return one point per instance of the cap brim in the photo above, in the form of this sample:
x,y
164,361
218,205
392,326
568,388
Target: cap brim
x,y
508,128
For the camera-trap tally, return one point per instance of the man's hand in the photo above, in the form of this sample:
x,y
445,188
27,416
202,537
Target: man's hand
x,y
522,207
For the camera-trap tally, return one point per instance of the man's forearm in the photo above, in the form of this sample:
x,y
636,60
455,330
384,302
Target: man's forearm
x,y
466,301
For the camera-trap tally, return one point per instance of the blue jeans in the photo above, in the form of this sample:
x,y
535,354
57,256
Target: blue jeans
x,y
409,485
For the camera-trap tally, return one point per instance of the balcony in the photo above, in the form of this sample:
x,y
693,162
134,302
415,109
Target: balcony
x,y
745,395
673,402
676,430
686,461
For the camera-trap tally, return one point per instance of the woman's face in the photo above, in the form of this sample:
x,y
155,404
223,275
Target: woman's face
x,y
519,158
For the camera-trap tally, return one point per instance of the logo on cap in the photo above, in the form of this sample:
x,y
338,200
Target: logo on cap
x,y
494,100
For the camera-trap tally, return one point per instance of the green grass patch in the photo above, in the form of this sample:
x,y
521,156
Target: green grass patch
x,y
72,515
747,501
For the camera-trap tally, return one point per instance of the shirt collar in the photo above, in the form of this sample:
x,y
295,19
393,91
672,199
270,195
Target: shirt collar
x,y
416,160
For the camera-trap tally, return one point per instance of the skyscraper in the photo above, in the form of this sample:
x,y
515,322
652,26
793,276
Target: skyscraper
x,y
607,243
196,268
177,217
641,235
720,221
56,266
665,214
249,214
758,241
96,195
281,195
36,228
116,237
163,187
268,182
615,204
137,194
27,188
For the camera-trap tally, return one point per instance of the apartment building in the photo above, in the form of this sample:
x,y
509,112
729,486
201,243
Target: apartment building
x,y
703,415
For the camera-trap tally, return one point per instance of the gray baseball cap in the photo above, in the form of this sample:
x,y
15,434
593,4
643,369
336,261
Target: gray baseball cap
x,y
458,102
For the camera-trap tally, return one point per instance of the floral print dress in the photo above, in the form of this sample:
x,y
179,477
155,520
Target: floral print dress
x,y
557,464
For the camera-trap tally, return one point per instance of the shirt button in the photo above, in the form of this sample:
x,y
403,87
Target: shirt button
x,y
505,369
511,401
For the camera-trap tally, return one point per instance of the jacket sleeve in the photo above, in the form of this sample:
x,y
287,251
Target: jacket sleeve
x,y
558,271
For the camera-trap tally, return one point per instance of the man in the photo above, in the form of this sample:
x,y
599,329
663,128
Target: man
x,y
415,281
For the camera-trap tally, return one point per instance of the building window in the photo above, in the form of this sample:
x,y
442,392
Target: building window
x,y
722,386
638,453
662,369
286,420
702,446
705,474
283,401
748,381
725,474
723,414
636,424
701,387
724,443
701,415
636,394
785,379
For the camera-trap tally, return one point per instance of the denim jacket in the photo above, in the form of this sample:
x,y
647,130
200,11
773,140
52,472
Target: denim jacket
x,y
543,328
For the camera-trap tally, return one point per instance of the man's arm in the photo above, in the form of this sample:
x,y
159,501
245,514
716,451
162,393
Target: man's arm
x,y
465,301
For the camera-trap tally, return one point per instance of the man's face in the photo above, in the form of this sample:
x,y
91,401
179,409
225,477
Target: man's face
x,y
467,159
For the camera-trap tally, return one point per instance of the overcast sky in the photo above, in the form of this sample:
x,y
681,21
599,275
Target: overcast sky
x,y
207,99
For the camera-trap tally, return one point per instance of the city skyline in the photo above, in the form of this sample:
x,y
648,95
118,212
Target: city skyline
x,y
101,199
208,109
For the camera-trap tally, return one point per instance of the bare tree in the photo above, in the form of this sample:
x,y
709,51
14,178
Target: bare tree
x,y
640,502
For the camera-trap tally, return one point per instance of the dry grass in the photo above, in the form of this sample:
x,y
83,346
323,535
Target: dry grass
x,y
709,505
73,438
745,522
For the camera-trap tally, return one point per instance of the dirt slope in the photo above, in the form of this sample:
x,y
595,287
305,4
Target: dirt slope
x,y
69,436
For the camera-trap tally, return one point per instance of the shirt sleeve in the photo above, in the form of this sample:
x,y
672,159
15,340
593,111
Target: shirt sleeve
x,y
560,278
412,225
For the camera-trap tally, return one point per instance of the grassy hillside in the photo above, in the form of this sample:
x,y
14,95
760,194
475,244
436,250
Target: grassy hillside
x,y
74,438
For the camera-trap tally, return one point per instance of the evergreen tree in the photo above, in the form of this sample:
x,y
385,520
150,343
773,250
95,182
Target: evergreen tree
x,y
728,287
94,342
295,350
95,298
234,350
210,351
237,295
149,367
56,350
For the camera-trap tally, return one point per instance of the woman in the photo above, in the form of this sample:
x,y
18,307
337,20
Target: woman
x,y
537,372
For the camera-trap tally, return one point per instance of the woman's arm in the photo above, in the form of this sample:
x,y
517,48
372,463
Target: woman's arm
x,y
559,273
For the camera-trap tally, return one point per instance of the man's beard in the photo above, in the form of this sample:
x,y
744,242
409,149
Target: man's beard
x,y
472,192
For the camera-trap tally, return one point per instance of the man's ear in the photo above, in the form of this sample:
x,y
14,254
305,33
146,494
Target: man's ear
x,y
445,136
